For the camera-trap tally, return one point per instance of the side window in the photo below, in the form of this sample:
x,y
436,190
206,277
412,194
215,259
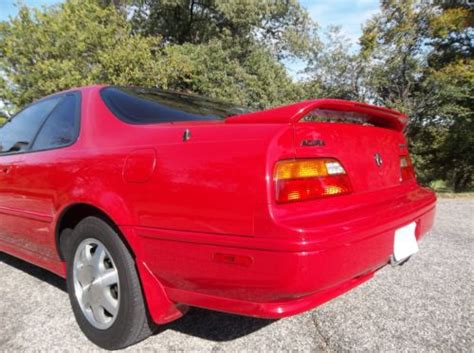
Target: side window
x,y
61,128
17,134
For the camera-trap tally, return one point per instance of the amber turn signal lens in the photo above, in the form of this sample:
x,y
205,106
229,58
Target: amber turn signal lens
x,y
304,179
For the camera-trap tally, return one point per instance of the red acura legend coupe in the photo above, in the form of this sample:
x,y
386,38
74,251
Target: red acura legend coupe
x,y
150,202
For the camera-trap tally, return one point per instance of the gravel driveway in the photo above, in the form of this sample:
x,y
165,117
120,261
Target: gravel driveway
x,y
425,305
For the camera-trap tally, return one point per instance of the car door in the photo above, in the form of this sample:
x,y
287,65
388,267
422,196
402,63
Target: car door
x,y
16,140
45,173
7,167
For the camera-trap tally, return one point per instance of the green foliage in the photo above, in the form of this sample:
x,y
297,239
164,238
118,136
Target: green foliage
x,y
283,27
449,81
335,71
73,44
420,60
392,44
219,71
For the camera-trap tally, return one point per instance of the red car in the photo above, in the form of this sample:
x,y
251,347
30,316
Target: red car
x,y
149,202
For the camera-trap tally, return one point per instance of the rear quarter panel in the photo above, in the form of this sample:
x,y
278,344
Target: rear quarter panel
x,y
211,183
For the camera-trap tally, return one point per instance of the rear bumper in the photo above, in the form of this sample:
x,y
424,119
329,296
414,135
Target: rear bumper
x,y
266,310
274,278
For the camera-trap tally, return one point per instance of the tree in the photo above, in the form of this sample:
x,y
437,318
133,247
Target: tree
x,y
392,43
217,70
420,59
283,27
449,81
335,70
73,44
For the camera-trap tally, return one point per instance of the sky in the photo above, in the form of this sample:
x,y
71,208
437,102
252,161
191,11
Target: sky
x,y
349,14
9,8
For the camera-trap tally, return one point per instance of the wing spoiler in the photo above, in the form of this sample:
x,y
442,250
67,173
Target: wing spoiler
x,y
290,114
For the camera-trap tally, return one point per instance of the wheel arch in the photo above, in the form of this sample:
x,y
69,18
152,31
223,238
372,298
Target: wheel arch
x,y
74,213
159,306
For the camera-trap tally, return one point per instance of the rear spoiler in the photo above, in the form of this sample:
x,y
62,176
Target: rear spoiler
x,y
290,114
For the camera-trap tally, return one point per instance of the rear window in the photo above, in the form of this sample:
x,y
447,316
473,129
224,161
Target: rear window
x,y
150,106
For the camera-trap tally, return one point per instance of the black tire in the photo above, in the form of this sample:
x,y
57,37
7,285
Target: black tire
x,y
132,324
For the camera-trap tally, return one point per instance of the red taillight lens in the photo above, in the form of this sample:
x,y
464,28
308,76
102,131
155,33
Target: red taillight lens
x,y
305,179
406,168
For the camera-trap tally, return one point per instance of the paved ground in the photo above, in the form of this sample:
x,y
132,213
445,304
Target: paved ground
x,y
425,305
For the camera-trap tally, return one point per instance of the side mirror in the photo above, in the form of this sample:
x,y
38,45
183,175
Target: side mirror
x,y
17,147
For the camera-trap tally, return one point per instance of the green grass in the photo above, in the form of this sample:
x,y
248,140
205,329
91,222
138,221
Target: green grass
x,y
455,195
443,191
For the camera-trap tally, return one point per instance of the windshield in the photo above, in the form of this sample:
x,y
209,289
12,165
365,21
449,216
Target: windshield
x,y
150,106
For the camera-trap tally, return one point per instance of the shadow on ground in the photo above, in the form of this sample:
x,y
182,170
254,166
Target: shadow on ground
x,y
216,326
34,271
205,324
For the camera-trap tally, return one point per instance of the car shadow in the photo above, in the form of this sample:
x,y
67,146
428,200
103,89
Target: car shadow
x,y
34,271
201,323
215,326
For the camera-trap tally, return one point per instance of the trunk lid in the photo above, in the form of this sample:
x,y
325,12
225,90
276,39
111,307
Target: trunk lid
x,y
370,155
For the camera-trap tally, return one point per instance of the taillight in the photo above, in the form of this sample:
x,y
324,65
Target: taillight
x,y
305,179
406,168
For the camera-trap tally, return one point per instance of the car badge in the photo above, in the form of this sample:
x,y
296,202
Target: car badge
x,y
311,143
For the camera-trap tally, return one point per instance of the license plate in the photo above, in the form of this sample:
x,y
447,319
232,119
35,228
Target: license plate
x,y
405,244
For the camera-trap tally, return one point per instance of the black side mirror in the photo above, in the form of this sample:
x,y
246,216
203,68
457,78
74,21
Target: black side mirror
x,y
17,147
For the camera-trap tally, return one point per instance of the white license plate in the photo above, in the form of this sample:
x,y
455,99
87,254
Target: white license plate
x,y
405,244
